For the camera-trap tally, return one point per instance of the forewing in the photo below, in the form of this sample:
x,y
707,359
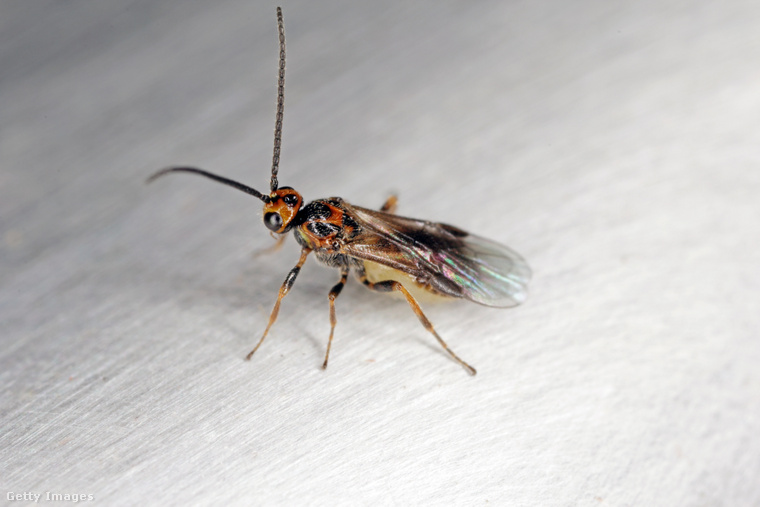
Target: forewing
x,y
446,258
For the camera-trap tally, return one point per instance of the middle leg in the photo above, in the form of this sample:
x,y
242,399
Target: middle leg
x,y
334,292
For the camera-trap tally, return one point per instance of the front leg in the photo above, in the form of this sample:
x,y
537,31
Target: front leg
x,y
271,249
334,293
393,285
286,285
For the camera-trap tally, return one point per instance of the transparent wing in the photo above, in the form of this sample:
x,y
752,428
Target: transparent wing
x,y
442,257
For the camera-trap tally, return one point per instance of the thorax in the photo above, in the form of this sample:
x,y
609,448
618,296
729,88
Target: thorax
x,y
324,225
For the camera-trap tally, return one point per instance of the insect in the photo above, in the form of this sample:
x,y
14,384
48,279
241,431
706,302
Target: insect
x,y
386,252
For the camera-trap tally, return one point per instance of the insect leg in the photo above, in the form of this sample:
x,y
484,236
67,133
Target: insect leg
x,y
391,285
390,205
334,292
271,249
286,285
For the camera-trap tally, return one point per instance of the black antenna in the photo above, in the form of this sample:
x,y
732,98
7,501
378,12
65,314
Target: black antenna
x,y
220,179
277,134
280,103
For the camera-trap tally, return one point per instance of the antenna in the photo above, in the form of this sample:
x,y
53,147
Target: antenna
x,y
277,134
220,179
280,103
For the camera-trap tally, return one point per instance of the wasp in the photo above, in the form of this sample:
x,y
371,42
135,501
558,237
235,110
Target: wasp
x,y
386,252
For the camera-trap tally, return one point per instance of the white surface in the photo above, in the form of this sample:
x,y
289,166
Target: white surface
x,y
615,146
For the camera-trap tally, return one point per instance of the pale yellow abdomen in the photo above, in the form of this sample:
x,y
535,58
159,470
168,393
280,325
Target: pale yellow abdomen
x,y
379,273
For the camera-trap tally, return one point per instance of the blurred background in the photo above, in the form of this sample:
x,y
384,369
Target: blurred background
x,y
614,145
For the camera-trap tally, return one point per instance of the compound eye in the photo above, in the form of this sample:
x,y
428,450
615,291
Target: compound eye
x,y
273,221
290,199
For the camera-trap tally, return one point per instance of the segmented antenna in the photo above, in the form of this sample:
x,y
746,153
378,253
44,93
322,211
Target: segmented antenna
x,y
220,179
280,103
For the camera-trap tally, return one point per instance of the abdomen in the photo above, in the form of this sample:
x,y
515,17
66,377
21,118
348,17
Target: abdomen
x,y
378,273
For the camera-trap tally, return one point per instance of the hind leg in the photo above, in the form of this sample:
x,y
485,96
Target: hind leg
x,y
390,205
392,285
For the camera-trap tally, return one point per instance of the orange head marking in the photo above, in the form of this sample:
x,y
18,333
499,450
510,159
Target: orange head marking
x,y
281,208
